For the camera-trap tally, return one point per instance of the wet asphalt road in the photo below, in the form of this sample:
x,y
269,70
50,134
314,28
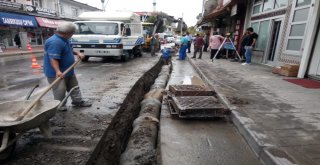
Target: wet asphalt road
x,y
77,131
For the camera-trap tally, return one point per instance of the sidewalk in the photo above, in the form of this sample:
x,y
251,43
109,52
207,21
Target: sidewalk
x,y
279,120
16,51
199,142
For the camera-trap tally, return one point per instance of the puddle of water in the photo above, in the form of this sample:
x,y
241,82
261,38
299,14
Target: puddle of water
x,y
192,80
186,80
195,80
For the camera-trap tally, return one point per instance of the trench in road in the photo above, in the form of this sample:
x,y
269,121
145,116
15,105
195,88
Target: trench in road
x,y
114,139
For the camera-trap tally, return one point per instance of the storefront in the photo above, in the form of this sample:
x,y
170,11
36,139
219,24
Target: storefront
x,y
267,18
47,26
228,17
11,24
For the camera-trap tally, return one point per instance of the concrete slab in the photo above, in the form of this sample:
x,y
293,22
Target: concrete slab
x,y
192,142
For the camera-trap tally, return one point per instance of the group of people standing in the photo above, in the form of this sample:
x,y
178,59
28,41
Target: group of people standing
x,y
213,43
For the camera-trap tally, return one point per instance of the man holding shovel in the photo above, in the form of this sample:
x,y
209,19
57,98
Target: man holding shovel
x,y
58,57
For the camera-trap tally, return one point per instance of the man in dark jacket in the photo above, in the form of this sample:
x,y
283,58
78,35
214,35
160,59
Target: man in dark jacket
x,y
251,39
199,42
17,40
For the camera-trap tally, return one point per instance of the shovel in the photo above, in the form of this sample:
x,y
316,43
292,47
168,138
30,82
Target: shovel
x,y
27,110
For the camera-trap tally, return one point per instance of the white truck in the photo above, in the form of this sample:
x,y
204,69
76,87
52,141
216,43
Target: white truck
x,y
108,34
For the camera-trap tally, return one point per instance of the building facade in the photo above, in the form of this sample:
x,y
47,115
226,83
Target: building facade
x,y
288,31
37,18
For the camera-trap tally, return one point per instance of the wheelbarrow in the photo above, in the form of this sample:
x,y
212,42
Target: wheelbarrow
x,y
15,118
38,117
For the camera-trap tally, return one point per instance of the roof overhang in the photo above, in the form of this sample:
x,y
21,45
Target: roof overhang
x,y
220,10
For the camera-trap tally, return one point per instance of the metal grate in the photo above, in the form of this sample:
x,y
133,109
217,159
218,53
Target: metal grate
x,y
197,107
190,90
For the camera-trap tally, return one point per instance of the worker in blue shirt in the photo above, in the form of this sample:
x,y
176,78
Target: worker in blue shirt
x,y
183,47
58,57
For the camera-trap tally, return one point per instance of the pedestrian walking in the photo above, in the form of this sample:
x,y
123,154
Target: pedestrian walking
x,y
251,39
199,42
154,44
189,38
215,42
183,47
206,42
58,57
17,40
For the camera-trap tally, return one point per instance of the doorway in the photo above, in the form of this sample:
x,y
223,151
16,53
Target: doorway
x,y
275,31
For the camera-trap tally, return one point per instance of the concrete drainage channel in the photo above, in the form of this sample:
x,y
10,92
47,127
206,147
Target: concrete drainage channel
x,y
131,137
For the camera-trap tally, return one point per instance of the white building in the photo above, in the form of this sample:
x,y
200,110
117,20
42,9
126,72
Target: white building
x,y
38,18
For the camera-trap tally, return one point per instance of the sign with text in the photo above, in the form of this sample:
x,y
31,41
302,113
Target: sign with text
x,y
17,20
50,23
39,10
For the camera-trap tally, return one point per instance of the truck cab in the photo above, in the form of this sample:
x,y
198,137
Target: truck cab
x,y
100,34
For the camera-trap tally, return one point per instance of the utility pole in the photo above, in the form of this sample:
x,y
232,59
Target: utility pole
x,y
102,5
154,5
181,24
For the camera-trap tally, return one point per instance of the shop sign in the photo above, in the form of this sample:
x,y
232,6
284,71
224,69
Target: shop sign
x,y
17,20
39,10
11,5
50,23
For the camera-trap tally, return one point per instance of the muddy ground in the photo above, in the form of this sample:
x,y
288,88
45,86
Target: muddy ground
x,y
77,132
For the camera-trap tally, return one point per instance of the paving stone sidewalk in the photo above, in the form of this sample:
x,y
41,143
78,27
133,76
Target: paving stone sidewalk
x,y
279,120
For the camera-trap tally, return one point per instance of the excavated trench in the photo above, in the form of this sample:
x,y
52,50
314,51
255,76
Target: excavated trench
x,y
116,137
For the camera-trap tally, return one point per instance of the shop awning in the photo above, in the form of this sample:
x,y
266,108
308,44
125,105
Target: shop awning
x,y
46,22
17,20
217,12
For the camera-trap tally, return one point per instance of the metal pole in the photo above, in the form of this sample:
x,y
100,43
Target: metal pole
x,y
102,5
181,24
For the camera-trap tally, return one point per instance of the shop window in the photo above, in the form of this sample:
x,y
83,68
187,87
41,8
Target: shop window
x,y
301,15
303,3
280,3
257,6
261,28
298,26
294,44
255,26
267,5
297,30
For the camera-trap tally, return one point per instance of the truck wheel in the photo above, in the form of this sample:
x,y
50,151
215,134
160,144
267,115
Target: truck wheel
x,y
86,58
140,52
125,58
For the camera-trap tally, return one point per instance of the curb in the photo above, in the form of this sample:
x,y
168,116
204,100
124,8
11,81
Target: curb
x,y
20,53
261,151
